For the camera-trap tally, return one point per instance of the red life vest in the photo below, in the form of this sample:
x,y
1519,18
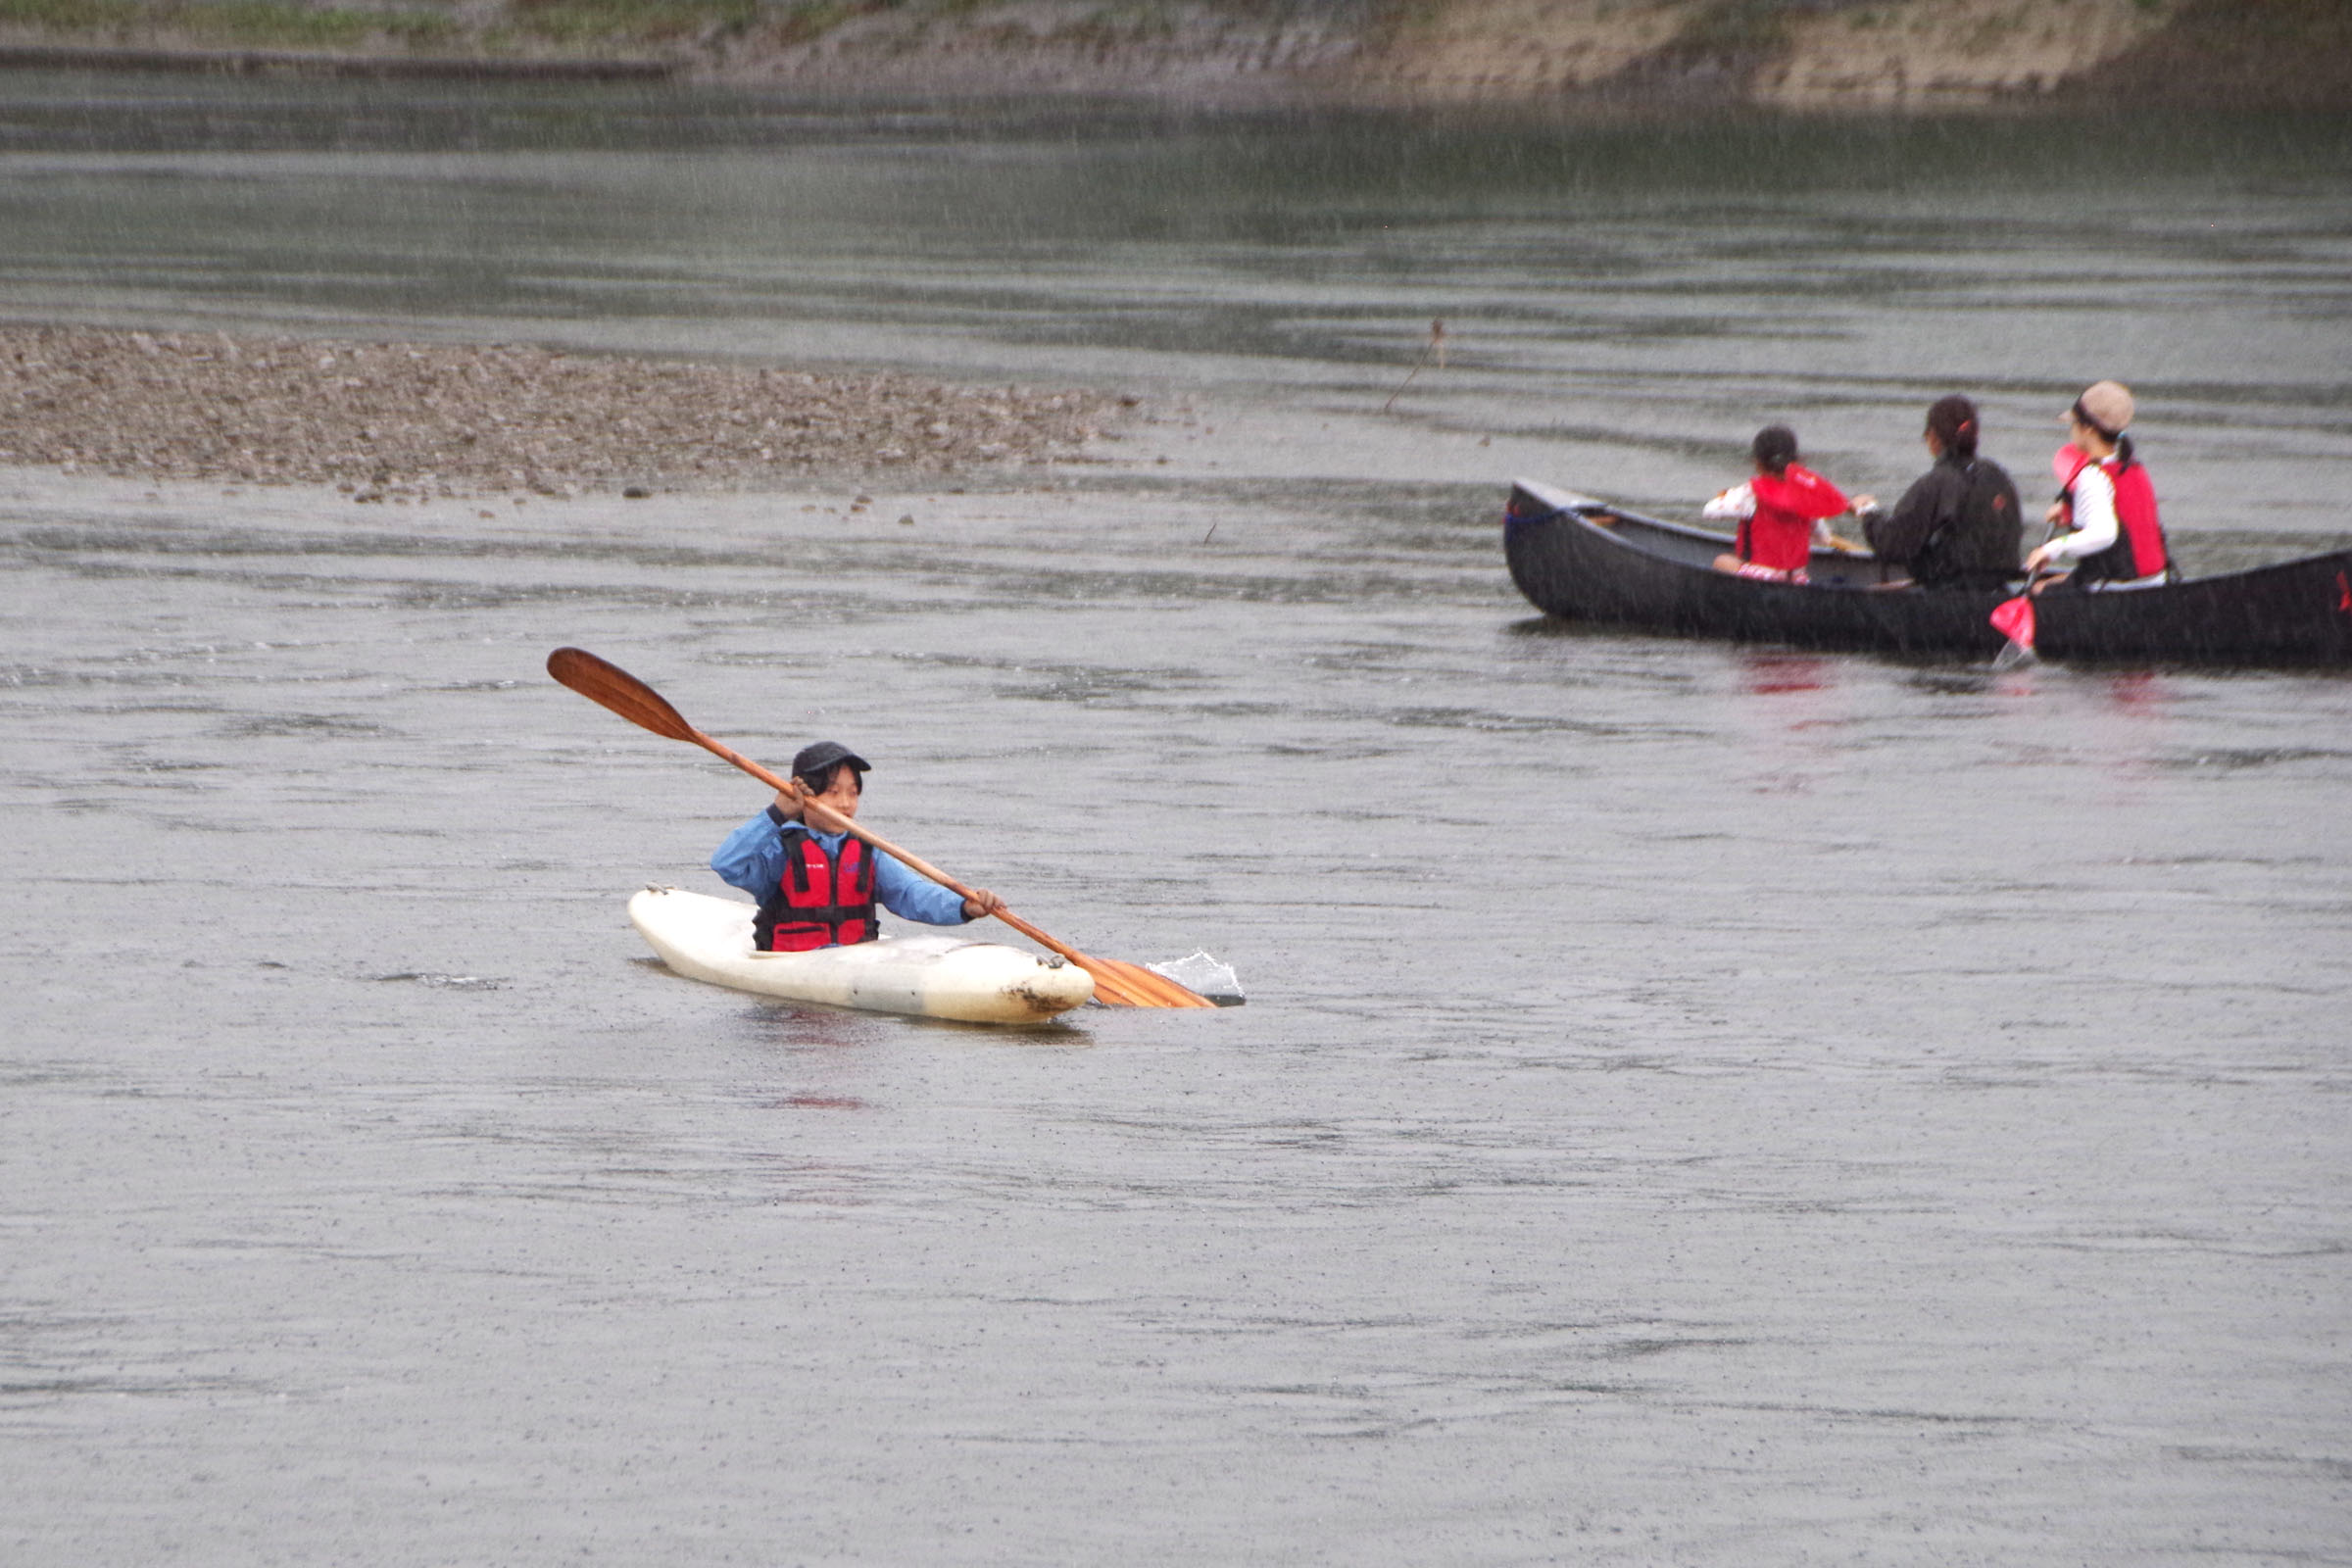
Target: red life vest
x,y
820,901
1788,504
2139,550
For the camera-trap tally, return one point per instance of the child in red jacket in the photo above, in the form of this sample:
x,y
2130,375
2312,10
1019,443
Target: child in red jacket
x,y
1778,510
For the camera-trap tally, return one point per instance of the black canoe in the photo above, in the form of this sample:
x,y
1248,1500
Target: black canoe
x,y
1583,560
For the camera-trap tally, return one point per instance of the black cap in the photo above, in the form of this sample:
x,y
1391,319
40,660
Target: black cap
x,y
814,759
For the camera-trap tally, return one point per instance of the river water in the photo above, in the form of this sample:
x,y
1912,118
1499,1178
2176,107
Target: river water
x,y
1695,1105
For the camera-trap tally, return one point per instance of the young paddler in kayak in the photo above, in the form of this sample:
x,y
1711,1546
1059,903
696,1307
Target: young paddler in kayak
x,y
2111,537
817,889
1780,509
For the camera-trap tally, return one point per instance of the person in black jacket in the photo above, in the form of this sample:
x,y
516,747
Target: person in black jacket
x,y
1958,524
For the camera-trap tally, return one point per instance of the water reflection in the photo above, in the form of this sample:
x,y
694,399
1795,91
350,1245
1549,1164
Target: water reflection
x,y
1770,674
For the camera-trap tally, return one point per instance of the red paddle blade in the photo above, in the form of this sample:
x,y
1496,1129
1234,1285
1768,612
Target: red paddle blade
x,y
2013,618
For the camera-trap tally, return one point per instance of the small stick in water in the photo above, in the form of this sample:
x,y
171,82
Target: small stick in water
x,y
1437,346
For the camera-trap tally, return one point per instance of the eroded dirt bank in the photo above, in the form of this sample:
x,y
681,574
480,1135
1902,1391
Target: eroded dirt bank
x,y
1905,53
1888,54
393,420
1901,55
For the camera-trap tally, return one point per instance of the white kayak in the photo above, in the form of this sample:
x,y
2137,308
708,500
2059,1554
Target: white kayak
x,y
931,976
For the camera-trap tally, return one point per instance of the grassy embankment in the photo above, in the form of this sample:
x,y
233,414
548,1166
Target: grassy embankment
x,y
422,26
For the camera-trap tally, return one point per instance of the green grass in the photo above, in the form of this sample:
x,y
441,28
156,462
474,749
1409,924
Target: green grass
x,y
72,16
287,24
581,22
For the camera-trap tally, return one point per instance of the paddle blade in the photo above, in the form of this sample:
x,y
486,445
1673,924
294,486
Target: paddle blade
x,y
614,687
2013,618
1121,984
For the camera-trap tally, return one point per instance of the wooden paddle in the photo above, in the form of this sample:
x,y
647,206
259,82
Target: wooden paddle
x,y
1122,984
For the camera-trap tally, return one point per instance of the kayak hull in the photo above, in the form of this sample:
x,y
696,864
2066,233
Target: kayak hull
x,y
710,938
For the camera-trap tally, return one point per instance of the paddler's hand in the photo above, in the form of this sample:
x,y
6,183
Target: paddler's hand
x,y
982,901
2036,559
788,801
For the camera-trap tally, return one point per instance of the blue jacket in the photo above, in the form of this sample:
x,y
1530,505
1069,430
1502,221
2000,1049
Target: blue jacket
x,y
753,860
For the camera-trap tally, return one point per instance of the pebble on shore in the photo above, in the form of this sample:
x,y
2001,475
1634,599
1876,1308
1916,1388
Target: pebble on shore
x,y
391,421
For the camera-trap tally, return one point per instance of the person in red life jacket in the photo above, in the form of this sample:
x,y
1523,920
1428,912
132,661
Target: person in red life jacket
x,y
1959,526
818,889
2113,537
1780,509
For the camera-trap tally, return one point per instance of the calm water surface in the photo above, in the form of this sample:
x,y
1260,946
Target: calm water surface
x,y
1696,1104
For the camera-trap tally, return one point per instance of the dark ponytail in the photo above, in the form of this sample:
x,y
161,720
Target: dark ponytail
x,y
2122,452
1953,422
1773,449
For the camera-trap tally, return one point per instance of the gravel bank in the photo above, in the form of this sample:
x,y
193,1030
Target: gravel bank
x,y
388,419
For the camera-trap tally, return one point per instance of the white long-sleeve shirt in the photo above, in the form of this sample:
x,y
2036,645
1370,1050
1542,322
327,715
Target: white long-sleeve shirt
x,y
1737,502
2095,525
